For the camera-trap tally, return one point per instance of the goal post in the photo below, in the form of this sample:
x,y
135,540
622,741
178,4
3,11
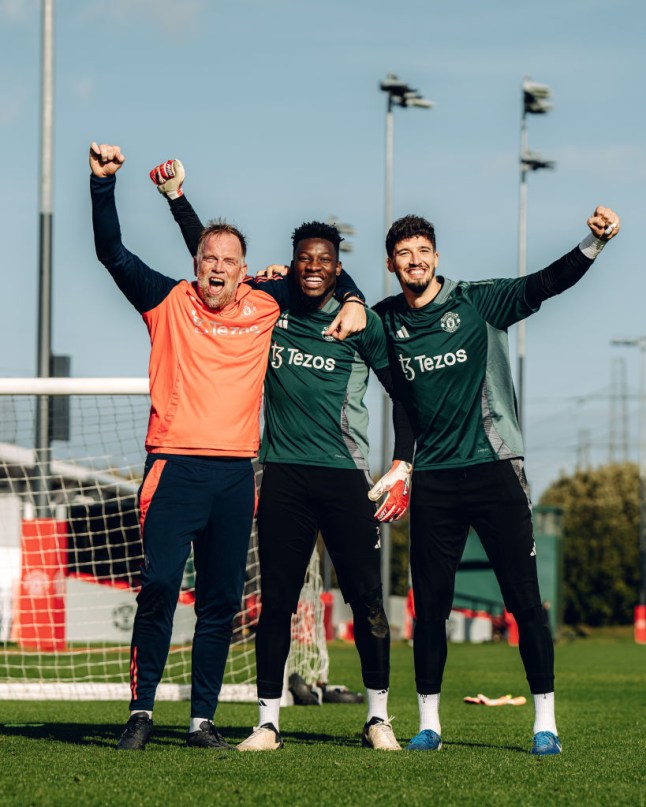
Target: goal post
x,y
69,572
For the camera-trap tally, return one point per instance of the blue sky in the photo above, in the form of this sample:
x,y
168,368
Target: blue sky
x,y
274,108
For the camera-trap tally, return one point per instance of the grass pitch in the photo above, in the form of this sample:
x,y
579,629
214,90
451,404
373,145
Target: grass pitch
x,y
63,753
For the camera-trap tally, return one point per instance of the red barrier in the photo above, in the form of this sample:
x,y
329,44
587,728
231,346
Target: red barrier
x,y
327,598
39,622
409,616
640,624
512,629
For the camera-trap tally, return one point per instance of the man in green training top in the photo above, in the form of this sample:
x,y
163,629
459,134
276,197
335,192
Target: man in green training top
x,y
448,340
316,476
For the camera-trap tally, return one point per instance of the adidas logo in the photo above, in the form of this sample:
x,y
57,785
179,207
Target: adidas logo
x,y
402,333
282,322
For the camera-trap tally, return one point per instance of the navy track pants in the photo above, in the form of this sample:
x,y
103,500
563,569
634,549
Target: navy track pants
x,y
206,502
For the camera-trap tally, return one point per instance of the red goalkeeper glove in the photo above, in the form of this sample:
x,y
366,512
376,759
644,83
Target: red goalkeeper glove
x,y
396,483
169,177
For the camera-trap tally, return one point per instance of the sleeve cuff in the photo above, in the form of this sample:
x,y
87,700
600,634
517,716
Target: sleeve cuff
x,y
591,246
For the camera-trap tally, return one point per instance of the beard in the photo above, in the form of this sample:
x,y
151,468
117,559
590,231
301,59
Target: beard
x,y
417,286
220,299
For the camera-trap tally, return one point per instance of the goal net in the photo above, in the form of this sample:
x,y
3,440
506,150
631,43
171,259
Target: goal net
x,y
70,552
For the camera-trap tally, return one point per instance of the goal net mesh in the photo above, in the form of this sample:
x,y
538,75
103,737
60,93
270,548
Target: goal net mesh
x,y
70,554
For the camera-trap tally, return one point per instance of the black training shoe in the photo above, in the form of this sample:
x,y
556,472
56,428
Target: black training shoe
x,y
340,694
137,733
302,694
207,737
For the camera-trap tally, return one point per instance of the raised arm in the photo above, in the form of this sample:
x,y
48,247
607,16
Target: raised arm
x,y
604,224
169,178
143,287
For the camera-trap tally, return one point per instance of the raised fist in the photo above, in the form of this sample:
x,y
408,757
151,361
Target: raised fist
x,y
604,223
168,177
105,160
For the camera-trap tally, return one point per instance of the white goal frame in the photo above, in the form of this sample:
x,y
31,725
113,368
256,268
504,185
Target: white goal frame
x,y
308,655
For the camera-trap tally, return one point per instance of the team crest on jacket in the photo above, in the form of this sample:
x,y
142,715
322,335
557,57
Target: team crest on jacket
x,y
326,337
450,322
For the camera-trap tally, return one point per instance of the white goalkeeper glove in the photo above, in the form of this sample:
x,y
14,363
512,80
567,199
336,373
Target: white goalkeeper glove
x,y
396,483
168,177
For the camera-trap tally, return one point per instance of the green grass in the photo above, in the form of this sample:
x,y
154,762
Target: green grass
x,y
63,753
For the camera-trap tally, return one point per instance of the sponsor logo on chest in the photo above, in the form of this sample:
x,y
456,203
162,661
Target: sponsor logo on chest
x,y
412,366
292,356
207,327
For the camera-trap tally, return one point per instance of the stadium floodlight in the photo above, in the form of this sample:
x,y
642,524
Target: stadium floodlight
x,y
535,102
532,161
535,97
640,608
413,98
399,93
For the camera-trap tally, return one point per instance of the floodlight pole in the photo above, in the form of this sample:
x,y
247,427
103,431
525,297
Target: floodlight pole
x,y
42,438
522,271
401,94
640,608
535,98
345,246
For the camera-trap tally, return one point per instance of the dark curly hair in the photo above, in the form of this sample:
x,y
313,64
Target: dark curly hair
x,y
408,227
317,229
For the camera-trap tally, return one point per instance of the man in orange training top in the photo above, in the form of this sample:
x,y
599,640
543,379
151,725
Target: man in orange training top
x,y
209,345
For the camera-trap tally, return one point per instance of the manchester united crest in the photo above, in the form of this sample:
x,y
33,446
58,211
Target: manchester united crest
x,y
450,322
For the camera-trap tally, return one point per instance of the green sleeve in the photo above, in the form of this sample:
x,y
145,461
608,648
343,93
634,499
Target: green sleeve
x,y
500,302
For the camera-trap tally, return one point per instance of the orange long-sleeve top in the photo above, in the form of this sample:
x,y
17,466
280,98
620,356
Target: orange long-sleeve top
x,y
206,372
206,367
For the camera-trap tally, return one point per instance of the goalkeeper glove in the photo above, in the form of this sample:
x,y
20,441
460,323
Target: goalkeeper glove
x,y
396,483
168,177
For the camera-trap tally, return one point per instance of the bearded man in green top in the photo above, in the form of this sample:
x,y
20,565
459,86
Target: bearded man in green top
x,y
448,343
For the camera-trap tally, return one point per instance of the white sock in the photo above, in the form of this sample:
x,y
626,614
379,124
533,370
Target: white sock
x,y
544,719
139,711
269,711
429,712
196,723
377,704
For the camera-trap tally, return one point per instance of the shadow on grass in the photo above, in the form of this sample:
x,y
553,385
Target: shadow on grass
x,y
104,735
306,738
107,736
496,746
